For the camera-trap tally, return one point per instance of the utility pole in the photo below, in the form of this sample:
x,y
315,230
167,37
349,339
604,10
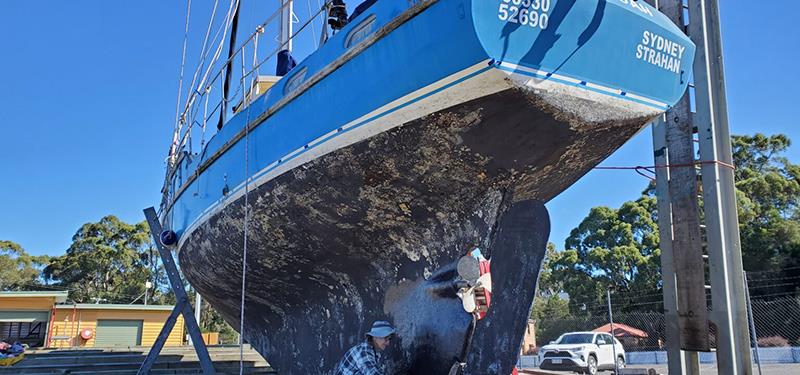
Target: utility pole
x,y
680,362
147,286
613,336
685,306
197,307
729,312
198,301
679,213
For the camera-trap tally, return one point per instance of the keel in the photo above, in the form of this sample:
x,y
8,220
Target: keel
x,y
518,249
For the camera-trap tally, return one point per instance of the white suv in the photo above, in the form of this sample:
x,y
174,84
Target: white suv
x,y
582,352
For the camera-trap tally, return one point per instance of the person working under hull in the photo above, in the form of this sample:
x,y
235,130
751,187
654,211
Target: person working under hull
x,y
365,358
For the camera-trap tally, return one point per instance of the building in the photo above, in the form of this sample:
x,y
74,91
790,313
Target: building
x,y
630,337
24,316
42,319
529,340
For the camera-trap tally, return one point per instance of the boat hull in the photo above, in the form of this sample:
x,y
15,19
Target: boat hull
x,y
345,239
367,176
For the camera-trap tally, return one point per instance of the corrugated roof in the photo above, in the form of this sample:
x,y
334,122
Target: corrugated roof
x,y
622,330
60,296
112,306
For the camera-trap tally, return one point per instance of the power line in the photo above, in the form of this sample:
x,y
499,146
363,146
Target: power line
x,y
600,304
774,295
775,285
773,271
772,279
651,169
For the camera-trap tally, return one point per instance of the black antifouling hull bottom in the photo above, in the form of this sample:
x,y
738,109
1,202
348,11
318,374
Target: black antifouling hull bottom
x,y
371,232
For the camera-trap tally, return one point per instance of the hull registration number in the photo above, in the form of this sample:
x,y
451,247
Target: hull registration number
x,y
532,13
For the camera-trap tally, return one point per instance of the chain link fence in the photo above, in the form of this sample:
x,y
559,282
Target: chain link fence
x,y
777,323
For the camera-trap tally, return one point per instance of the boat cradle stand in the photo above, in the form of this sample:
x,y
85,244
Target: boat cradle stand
x,y
182,307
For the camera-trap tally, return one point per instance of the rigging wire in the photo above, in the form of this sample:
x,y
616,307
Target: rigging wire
x,y
203,55
189,109
313,29
191,93
205,78
214,58
207,89
246,226
323,30
176,133
302,27
204,51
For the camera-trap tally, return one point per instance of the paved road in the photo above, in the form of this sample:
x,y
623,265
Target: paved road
x,y
767,369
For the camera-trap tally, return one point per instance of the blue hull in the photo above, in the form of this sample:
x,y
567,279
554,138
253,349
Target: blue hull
x,y
510,104
588,45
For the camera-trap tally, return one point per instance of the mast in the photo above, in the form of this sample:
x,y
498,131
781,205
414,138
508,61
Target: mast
x,y
229,67
285,37
285,61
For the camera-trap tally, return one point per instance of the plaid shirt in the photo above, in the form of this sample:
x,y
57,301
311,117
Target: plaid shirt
x,y
361,359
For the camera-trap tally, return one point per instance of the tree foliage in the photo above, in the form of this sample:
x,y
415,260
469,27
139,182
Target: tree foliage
x,y
619,248
212,321
548,302
18,269
109,260
611,248
551,307
769,194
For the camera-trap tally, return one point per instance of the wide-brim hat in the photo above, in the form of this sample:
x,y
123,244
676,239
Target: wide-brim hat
x,y
381,328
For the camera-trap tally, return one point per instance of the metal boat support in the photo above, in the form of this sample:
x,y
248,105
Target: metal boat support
x,y
181,307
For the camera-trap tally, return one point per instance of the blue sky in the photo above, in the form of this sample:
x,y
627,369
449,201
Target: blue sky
x,y
87,101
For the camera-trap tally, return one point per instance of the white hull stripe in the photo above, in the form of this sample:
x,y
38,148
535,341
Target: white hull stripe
x,y
383,111
384,118
461,87
521,69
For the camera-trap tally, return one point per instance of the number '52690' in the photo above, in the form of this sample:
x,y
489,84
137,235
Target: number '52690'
x,y
526,12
